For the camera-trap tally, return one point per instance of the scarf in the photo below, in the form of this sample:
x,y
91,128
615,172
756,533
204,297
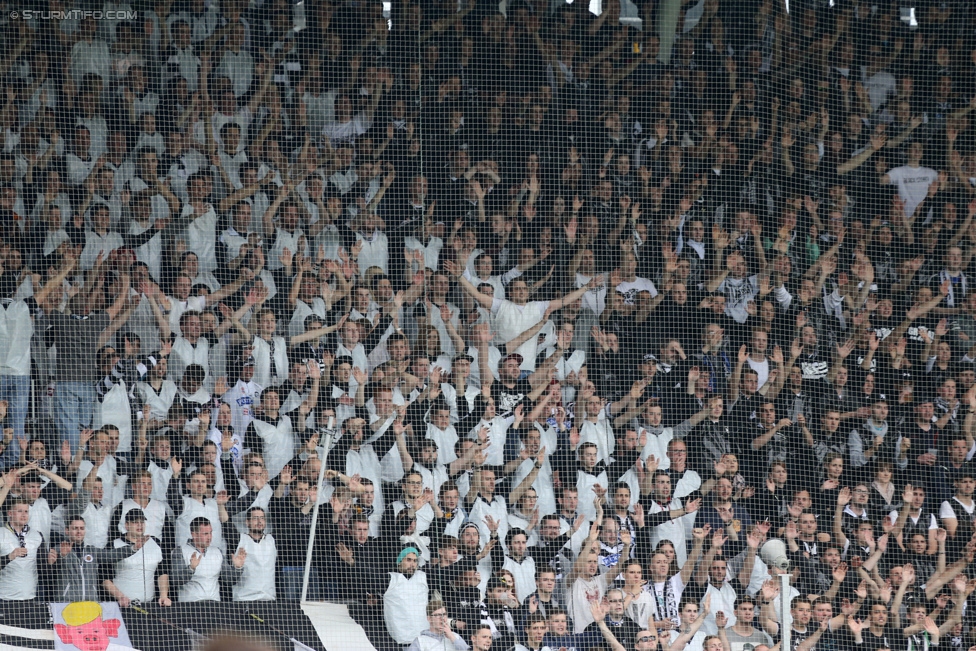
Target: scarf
x,y
665,602
22,536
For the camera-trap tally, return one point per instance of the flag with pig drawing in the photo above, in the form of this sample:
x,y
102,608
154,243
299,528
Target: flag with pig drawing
x,y
89,626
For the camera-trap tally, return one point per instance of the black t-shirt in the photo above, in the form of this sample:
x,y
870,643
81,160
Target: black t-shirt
x,y
507,399
889,639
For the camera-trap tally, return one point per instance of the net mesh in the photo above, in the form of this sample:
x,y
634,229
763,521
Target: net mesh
x,y
568,325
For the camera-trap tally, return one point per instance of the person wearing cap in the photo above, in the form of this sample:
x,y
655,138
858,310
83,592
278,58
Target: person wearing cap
x,y
141,484
462,595
511,389
502,609
73,565
405,596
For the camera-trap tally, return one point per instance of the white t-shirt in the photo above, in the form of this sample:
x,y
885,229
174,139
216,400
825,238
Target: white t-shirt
x,y
579,595
510,320
954,508
913,184
738,292
630,289
761,369
595,299
18,578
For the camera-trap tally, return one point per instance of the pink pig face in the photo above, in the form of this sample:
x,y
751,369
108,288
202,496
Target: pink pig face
x,y
93,636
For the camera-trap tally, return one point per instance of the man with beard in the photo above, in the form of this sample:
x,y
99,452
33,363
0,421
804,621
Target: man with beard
x,y
405,595
714,573
74,565
257,582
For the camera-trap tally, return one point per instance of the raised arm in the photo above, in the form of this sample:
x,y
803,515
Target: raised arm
x,y
118,305
456,270
559,303
588,545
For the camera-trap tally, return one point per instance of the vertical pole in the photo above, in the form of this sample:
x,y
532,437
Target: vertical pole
x,y
667,27
786,621
315,510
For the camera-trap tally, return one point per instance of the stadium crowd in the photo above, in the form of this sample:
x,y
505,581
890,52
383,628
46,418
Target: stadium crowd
x,y
572,348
